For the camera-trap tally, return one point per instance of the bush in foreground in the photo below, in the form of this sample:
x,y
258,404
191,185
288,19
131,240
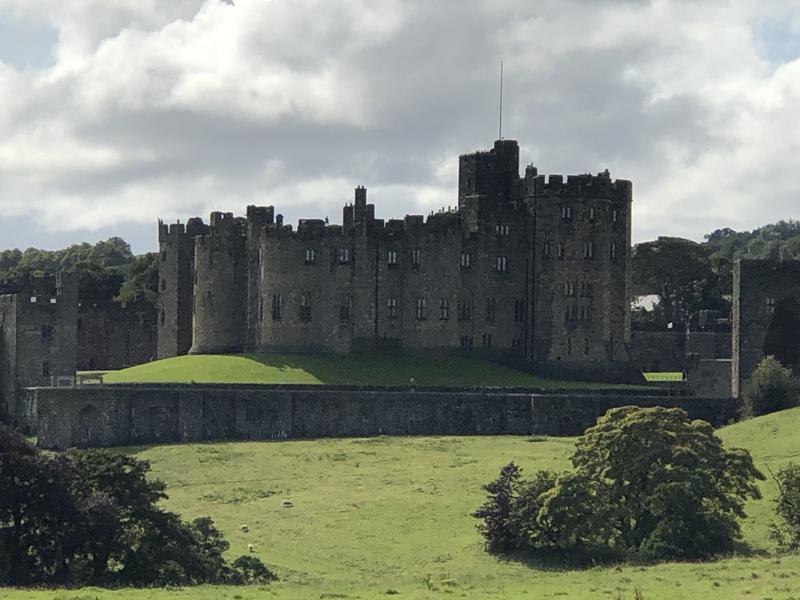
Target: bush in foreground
x,y
771,387
647,484
787,531
91,518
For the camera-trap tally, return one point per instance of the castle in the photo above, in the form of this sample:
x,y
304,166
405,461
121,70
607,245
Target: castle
x,y
530,270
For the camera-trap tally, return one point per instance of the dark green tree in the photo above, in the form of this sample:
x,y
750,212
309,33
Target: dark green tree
x,y
786,532
770,388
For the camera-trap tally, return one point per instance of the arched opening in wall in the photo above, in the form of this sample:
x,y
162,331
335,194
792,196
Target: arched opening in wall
x,y
783,334
86,428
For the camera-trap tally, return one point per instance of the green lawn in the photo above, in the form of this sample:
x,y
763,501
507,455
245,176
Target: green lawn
x,y
380,514
378,369
665,376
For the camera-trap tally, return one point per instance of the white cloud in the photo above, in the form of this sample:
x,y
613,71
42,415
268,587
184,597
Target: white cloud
x,y
165,109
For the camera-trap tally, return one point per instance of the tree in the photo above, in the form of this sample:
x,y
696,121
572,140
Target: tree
x,y
770,388
647,484
680,272
787,506
92,518
496,511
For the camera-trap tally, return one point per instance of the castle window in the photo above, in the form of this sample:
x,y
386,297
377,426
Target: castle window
x,y
276,307
574,313
613,251
416,257
566,213
486,339
583,313
520,311
586,346
464,310
47,332
311,256
305,308
344,312
770,306
562,251
546,249
614,215
391,259
391,305
569,288
569,346
501,264
591,214
344,256
421,304
444,309
502,230
588,250
45,369
491,310
466,342
465,260
33,299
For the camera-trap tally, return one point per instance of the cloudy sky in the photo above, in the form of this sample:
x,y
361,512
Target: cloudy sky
x,y
116,112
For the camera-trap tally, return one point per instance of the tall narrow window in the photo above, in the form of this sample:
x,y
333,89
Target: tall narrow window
x,y
502,230
614,215
391,259
588,249
501,264
520,311
344,256
491,310
45,369
276,307
591,214
444,309
421,305
465,260
416,257
770,306
311,256
566,213
613,251
305,308
464,310
391,306
562,251
546,249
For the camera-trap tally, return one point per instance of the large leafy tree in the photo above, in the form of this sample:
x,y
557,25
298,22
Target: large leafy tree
x,y
93,518
646,483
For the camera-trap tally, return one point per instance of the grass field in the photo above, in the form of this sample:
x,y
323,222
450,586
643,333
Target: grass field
x,y
361,369
665,376
381,515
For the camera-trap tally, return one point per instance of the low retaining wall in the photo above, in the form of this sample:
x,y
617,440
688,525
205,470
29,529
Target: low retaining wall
x,y
122,415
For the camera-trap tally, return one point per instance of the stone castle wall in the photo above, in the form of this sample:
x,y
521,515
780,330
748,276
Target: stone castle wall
x,y
113,336
760,287
532,269
145,414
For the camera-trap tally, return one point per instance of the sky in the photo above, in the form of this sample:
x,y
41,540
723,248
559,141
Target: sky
x,y
114,113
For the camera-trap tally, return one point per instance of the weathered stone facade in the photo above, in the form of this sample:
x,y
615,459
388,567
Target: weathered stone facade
x,y
115,336
38,328
527,269
766,315
143,414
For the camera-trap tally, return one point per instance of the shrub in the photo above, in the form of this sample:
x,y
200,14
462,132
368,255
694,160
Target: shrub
x,y
787,532
770,388
646,484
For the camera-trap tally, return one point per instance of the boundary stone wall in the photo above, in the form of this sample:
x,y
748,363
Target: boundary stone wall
x,y
118,415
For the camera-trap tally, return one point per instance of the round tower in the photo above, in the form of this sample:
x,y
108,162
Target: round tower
x,y
220,287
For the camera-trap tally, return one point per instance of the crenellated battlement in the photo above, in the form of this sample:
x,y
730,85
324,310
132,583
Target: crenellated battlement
x,y
586,185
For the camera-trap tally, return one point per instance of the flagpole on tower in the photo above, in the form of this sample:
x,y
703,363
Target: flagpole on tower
x,y
501,101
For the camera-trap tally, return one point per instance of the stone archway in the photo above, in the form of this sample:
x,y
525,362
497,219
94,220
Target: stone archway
x,y
783,334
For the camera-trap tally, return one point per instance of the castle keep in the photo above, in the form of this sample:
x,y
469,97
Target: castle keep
x,y
528,269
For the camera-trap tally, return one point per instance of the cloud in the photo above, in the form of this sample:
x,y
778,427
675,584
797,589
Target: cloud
x,y
170,109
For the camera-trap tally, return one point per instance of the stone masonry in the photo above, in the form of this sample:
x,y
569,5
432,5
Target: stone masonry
x,y
530,270
38,338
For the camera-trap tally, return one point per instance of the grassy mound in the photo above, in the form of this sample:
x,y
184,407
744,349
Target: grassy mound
x,y
364,369
383,514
